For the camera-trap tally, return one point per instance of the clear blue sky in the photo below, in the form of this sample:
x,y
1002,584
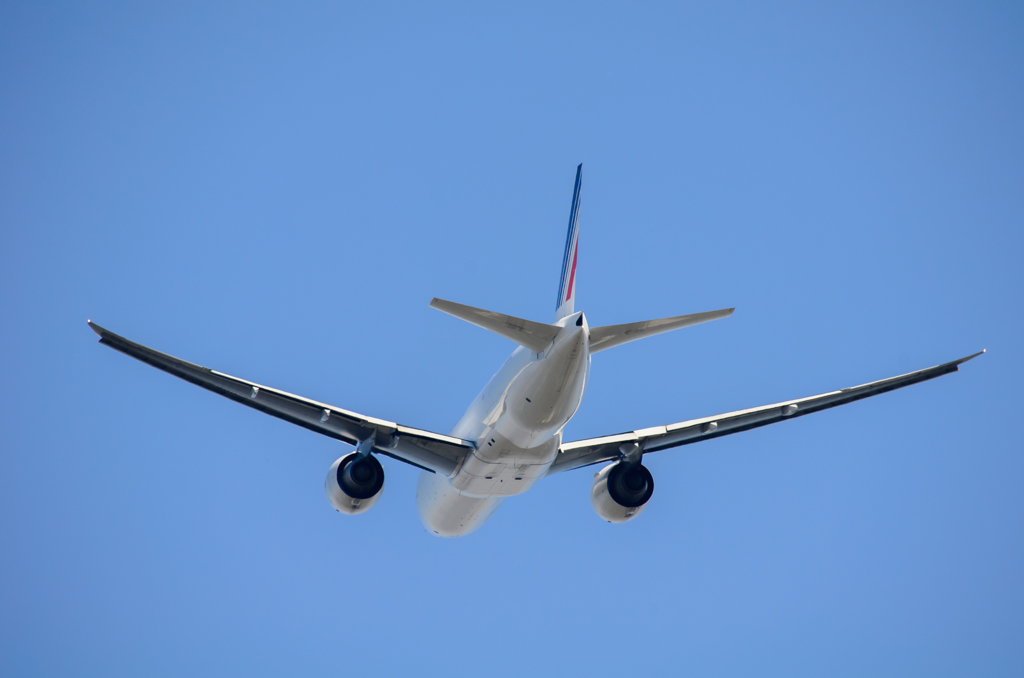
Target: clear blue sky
x,y
277,191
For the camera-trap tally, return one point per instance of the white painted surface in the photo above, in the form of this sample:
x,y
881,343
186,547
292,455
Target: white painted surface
x,y
516,425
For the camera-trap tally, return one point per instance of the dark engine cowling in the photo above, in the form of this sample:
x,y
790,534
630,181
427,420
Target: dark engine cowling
x,y
621,491
354,485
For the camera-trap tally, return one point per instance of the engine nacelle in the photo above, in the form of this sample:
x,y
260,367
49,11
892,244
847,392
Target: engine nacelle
x,y
353,486
621,491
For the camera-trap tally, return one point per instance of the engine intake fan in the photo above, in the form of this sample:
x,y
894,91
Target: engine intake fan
x,y
354,484
621,490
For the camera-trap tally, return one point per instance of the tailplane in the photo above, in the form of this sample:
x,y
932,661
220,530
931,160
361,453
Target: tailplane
x,y
538,336
533,335
565,304
613,335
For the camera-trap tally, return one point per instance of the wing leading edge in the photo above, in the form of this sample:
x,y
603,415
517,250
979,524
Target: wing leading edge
x,y
427,450
596,450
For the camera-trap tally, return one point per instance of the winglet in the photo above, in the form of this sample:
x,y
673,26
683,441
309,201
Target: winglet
x,y
96,328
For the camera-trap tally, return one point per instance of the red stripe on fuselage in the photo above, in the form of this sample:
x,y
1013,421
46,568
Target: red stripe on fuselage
x,y
572,273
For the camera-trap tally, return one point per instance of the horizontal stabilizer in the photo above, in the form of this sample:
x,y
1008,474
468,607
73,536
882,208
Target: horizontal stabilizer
x,y
533,335
613,335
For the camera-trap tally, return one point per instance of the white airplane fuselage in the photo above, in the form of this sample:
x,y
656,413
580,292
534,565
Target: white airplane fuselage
x,y
516,425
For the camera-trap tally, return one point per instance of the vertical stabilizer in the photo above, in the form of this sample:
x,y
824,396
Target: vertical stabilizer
x,y
567,286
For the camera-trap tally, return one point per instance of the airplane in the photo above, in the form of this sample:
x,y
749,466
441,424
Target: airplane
x,y
511,435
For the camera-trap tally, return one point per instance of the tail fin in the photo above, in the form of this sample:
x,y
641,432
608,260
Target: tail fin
x,y
567,286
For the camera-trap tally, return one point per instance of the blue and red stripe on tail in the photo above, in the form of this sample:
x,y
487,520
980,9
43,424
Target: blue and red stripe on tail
x,y
567,285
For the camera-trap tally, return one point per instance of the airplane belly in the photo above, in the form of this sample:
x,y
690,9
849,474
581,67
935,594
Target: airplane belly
x,y
498,468
445,512
546,394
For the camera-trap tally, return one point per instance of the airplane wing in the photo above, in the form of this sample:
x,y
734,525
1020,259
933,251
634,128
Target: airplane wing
x,y
596,450
427,450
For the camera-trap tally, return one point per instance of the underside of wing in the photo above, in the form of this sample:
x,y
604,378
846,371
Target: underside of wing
x,y
608,336
533,335
427,450
596,450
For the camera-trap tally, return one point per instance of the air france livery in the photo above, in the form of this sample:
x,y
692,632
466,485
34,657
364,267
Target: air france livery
x,y
511,435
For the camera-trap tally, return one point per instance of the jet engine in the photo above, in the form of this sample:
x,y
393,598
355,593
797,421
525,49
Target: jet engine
x,y
621,491
354,484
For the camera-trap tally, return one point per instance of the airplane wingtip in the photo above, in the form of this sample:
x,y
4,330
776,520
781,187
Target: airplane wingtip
x,y
972,356
96,328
